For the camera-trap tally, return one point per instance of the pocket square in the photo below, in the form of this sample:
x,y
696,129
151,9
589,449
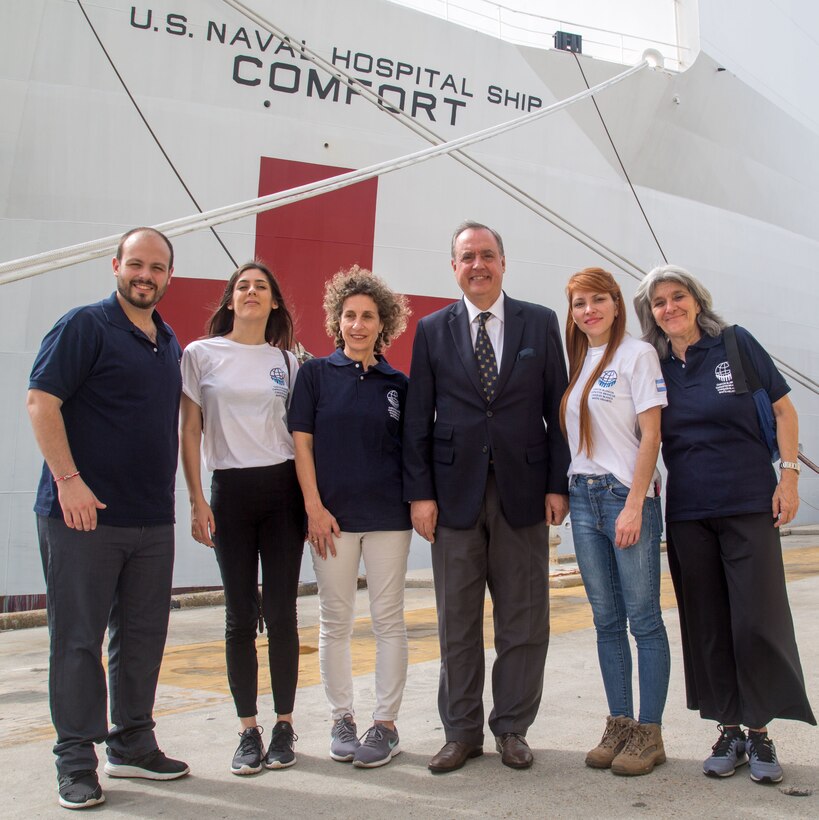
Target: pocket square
x,y
526,353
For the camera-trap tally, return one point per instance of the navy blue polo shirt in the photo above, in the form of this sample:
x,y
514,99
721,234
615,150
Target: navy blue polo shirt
x,y
356,420
120,394
717,463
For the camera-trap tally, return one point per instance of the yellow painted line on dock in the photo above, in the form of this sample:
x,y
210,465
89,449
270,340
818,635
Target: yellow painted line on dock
x,y
202,666
193,676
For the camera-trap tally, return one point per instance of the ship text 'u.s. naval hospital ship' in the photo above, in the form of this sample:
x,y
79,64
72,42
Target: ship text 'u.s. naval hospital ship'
x,y
317,134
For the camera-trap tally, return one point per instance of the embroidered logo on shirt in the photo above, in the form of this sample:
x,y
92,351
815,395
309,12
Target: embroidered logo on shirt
x,y
393,407
602,391
608,378
660,385
279,382
725,379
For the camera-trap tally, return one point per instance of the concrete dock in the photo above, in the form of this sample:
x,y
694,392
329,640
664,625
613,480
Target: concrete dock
x,y
196,721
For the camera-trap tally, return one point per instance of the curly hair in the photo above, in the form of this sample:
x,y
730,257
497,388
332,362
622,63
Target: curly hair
x,y
393,310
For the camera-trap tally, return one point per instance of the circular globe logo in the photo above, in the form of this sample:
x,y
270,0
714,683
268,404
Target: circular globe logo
x,y
608,378
723,372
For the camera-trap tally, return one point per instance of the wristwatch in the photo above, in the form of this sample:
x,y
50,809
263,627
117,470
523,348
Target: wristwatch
x,y
790,465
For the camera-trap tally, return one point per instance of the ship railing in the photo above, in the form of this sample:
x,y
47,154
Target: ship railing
x,y
807,462
537,30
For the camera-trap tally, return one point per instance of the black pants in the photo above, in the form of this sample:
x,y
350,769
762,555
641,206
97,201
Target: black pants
x,y
739,649
119,577
259,513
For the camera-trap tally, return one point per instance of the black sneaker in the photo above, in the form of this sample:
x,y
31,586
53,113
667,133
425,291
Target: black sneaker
x,y
280,752
248,757
151,766
79,790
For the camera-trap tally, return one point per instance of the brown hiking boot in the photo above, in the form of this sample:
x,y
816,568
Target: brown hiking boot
x,y
643,751
611,744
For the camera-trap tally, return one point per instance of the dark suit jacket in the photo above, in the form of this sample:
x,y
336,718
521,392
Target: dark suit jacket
x,y
450,429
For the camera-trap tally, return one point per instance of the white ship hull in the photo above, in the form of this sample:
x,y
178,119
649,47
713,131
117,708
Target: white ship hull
x,y
725,164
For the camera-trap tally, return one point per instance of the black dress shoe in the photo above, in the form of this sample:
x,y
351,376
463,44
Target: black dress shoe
x,y
452,756
514,751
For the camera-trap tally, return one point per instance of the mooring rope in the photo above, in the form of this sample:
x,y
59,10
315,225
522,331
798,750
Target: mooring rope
x,y
85,251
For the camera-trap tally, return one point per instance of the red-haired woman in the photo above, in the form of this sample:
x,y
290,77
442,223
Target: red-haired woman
x,y
611,417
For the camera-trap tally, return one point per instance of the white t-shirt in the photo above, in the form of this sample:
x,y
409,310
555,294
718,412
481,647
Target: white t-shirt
x,y
243,391
631,384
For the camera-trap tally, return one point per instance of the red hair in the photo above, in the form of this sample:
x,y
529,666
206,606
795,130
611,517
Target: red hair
x,y
595,280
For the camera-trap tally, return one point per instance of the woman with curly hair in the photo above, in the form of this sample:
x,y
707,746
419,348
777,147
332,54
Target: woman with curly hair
x,y
236,385
347,421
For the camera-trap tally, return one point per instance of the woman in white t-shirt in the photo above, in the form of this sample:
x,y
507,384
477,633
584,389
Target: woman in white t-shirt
x,y
236,386
610,415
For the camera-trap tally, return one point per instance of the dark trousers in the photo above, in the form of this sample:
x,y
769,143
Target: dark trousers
x,y
115,576
739,649
259,515
514,565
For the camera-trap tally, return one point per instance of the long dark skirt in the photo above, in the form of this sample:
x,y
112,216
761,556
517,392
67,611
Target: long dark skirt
x,y
739,650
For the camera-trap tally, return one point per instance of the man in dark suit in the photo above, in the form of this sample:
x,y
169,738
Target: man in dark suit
x,y
485,469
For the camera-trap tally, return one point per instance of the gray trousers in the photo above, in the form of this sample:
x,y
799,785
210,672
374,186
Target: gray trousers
x,y
119,577
514,565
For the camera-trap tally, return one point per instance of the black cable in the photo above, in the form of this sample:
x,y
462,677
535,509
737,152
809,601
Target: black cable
x,y
795,373
623,167
151,131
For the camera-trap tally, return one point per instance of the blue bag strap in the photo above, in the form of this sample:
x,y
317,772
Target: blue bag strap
x,y
746,377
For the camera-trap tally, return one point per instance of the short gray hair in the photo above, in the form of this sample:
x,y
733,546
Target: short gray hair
x,y
711,324
469,225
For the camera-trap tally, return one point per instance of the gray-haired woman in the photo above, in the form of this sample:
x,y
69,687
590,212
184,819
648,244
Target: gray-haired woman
x,y
723,510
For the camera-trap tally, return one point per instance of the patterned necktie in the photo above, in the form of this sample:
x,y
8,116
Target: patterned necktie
x,y
485,354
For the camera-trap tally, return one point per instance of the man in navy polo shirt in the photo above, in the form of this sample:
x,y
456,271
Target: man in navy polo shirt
x,y
104,401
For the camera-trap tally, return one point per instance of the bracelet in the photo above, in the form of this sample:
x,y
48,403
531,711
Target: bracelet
x,y
66,477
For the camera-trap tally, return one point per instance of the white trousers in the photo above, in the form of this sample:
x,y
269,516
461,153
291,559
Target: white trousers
x,y
385,562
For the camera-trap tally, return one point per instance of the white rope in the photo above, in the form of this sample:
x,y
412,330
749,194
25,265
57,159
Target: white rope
x,y
63,257
518,194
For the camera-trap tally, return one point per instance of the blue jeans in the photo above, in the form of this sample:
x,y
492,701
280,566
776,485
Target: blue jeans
x,y
622,585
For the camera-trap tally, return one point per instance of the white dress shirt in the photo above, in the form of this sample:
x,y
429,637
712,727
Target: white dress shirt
x,y
494,325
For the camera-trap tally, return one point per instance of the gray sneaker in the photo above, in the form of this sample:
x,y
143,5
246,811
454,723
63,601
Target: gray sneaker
x,y
727,753
344,741
380,746
762,760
